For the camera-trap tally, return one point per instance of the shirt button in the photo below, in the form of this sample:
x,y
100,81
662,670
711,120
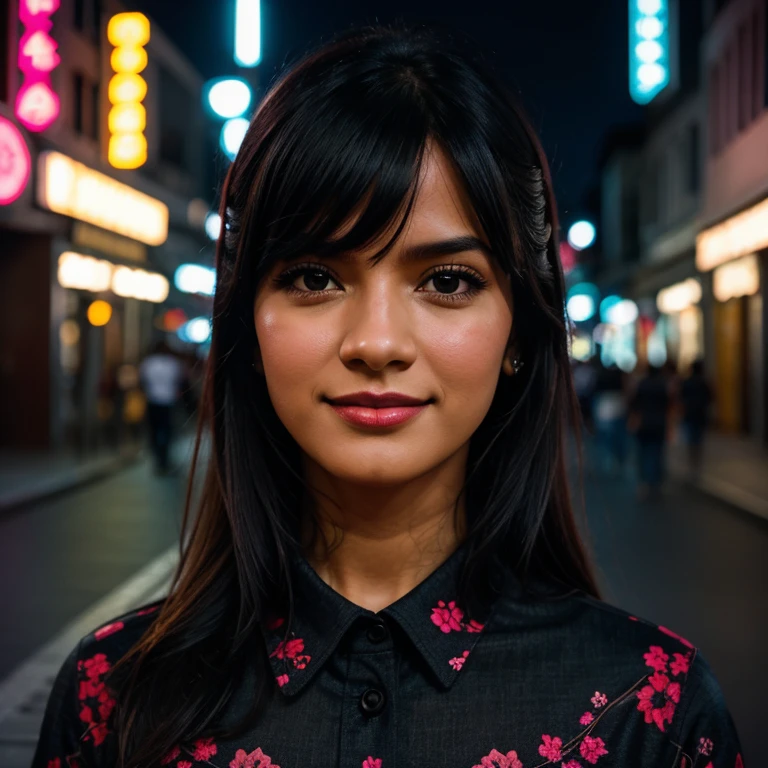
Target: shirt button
x,y
377,633
372,702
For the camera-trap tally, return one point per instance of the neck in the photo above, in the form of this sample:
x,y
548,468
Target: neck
x,y
376,542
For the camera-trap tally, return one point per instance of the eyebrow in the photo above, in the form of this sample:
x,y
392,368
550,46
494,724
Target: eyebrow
x,y
459,244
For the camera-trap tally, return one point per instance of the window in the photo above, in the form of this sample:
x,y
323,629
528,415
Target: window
x,y
176,107
80,14
95,112
693,170
78,88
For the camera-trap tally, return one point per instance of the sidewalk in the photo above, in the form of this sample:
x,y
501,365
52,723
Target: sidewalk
x,y
27,477
734,470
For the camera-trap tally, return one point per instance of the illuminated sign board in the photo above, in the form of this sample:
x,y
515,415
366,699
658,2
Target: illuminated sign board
x,y
87,273
247,32
736,278
15,163
740,235
68,187
649,60
37,104
129,33
679,296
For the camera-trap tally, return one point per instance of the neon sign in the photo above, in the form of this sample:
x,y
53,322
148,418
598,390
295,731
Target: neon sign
x,y
37,104
14,162
129,33
649,63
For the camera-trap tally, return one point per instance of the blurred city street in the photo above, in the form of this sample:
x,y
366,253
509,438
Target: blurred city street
x,y
688,561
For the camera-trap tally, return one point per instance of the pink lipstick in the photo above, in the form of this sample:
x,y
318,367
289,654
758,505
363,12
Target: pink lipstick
x,y
371,409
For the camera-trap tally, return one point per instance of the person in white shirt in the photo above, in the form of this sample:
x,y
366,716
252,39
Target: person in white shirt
x,y
162,375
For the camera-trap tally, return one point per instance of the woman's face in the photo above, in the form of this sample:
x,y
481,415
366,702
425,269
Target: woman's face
x,y
383,372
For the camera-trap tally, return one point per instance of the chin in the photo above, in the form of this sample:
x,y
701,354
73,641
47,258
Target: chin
x,y
375,468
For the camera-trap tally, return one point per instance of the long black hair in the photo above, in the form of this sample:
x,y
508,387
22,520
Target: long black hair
x,y
345,130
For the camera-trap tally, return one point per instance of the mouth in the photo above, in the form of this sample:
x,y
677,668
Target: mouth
x,y
372,409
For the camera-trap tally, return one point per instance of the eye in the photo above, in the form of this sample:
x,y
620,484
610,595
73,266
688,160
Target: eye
x,y
308,278
453,282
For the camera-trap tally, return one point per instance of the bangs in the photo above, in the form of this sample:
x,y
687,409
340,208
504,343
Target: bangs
x,y
339,182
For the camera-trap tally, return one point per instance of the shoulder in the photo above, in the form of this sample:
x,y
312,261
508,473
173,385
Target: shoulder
x,y
115,638
77,726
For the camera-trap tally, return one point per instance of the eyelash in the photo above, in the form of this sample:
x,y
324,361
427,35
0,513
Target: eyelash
x,y
475,281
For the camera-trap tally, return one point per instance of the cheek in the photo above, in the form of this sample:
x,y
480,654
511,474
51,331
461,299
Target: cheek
x,y
292,351
467,355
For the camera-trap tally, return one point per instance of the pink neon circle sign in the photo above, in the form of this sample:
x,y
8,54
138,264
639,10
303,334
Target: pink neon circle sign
x,y
15,163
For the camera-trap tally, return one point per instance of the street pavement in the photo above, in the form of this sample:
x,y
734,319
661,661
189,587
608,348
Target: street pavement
x,y
67,564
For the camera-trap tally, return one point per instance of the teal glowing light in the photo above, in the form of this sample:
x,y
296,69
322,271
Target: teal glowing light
x,y
649,62
232,135
228,96
247,32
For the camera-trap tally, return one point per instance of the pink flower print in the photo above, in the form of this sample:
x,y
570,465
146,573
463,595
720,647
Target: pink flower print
x,y
705,746
300,662
99,733
677,637
586,718
96,666
282,680
680,664
55,763
496,760
572,764
110,629
171,756
592,748
658,700
243,760
447,617
288,650
274,624
550,748
474,626
656,659
146,611
458,662
204,749
183,764
372,762
599,700
739,762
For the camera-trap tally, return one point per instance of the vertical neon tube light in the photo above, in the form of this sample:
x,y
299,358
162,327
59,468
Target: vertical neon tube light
x,y
248,33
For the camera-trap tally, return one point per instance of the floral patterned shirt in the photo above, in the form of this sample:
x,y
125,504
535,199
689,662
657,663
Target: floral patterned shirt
x,y
570,682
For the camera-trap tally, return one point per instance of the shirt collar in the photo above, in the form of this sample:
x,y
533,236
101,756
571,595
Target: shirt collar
x,y
429,615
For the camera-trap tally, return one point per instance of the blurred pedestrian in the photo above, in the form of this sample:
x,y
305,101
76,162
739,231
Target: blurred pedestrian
x,y
610,413
695,398
649,409
162,375
584,378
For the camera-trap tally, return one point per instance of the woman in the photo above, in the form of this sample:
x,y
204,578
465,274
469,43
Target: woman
x,y
384,569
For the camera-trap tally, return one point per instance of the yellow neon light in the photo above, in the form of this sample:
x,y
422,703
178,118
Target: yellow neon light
x,y
127,118
129,33
126,88
130,30
127,150
99,313
740,235
128,59
68,187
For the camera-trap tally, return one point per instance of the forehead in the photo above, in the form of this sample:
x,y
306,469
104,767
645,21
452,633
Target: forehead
x,y
441,207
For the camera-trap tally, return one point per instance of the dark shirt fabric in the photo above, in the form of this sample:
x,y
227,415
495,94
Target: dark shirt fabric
x,y
571,682
695,396
651,404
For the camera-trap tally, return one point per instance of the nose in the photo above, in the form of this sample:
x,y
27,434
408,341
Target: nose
x,y
379,332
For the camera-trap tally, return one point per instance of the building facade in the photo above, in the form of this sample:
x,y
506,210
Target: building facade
x,y
89,251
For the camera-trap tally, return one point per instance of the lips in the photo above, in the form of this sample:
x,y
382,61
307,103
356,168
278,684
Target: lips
x,y
373,409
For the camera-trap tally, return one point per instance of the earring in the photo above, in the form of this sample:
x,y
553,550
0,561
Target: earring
x,y
511,367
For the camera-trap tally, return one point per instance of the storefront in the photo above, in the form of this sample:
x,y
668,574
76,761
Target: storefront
x,y
80,299
733,256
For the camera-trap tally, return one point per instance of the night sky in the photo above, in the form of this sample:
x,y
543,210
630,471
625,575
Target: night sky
x,y
566,58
